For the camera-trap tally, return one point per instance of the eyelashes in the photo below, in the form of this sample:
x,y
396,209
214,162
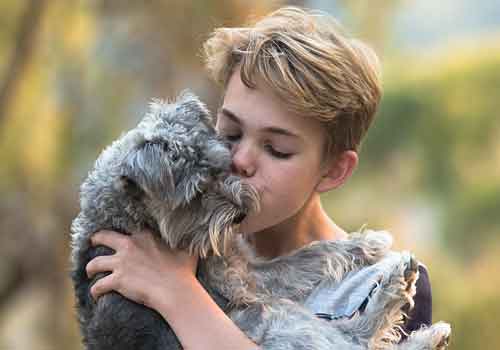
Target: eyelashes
x,y
277,154
233,138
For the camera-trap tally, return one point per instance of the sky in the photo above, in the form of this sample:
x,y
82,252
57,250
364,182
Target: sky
x,y
422,24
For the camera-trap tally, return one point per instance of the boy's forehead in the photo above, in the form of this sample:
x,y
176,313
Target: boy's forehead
x,y
260,106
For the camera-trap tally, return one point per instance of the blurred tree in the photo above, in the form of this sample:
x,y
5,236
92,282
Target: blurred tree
x,y
25,43
96,66
370,20
442,115
91,67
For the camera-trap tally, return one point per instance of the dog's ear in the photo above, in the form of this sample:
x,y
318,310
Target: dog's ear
x,y
130,187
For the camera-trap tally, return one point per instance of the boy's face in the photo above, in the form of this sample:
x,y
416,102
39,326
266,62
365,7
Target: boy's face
x,y
274,150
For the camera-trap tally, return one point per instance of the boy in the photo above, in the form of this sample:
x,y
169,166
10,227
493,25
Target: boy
x,y
298,98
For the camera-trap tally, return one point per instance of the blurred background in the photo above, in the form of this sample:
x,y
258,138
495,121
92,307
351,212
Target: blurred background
x,y
75,74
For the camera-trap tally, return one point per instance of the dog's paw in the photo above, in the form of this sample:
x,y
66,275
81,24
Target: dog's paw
x,y
441,333
410,274
435,337
402,282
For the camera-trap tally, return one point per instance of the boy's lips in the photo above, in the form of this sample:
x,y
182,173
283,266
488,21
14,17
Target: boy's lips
x,y
239,218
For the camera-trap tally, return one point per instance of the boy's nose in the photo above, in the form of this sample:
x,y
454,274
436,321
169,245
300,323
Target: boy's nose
x,y
243,163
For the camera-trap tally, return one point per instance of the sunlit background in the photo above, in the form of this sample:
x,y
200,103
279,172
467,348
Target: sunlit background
x,y
75,74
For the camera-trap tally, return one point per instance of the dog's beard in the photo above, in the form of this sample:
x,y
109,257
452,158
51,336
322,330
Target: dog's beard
x,y
217,218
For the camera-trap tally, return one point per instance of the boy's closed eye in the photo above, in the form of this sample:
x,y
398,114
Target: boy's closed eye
x,y
268,146
275,153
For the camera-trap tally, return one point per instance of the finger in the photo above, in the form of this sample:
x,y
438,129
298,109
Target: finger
x,y
140,235
145,239
109,239
143,234
144,231
105,263
103,286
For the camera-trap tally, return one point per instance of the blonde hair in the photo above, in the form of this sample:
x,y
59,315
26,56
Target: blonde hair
x,y
305,58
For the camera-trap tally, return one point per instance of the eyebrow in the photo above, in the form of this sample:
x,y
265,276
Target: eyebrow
x,y
272,129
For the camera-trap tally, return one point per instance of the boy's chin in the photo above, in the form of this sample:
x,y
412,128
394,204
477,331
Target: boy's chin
x,y
247,226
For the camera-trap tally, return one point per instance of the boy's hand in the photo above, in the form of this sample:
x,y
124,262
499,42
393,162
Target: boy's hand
x,y
142,268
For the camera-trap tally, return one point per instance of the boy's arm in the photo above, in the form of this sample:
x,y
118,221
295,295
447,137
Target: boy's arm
x,y
198,321
146,271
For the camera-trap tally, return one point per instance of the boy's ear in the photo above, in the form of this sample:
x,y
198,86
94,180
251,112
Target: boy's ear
x,y
337,171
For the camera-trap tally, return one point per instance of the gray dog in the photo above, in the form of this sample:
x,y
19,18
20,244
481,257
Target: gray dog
x,y
171,174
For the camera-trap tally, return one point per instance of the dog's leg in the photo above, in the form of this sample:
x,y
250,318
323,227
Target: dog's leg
x,y
377,326
435,337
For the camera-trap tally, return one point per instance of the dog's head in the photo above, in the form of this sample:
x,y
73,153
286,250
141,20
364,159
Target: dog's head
x,y
173,172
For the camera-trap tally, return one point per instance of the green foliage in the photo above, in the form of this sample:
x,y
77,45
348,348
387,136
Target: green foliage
x,y
475,325
473,220
436,140
447,115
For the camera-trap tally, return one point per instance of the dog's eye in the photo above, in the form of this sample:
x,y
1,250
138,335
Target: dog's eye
x,y
175,157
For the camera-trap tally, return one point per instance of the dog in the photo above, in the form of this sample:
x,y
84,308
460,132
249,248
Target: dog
x,y
172,175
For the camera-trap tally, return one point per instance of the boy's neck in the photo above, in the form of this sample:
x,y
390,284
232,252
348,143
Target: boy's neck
x,y
310,224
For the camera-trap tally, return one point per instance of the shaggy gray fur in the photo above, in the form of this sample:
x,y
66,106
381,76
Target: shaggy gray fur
x,y
171,174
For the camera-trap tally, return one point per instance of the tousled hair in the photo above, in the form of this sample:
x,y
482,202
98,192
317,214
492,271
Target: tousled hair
x,y
306,59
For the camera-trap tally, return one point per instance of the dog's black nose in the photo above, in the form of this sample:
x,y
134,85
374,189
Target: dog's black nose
x,y
238,219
